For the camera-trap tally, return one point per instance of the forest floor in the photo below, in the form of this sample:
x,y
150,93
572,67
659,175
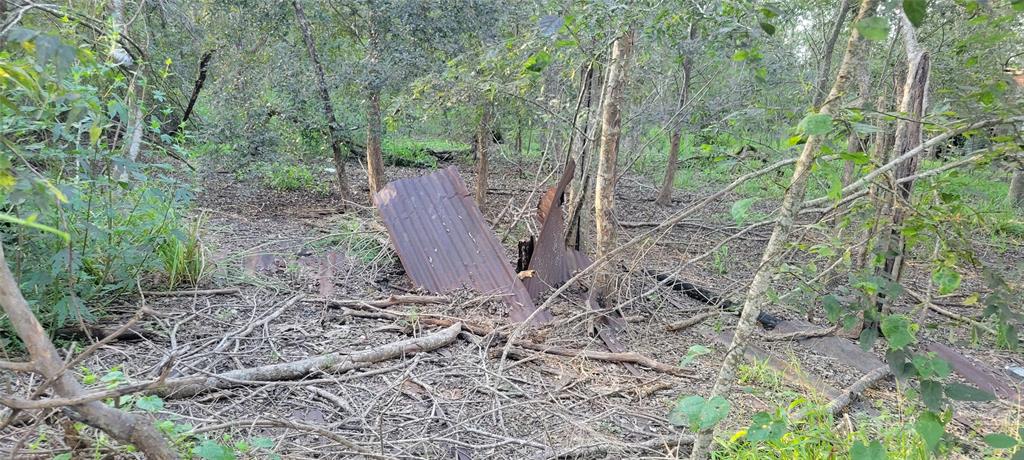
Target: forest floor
x,y
463,400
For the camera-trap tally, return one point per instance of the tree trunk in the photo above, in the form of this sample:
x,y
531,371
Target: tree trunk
x,y
1016,193
821,85
856,143
134,128
578,213
196,88
908,137
669,183
340,145
757,294
483,142
611,129
126,428
374,157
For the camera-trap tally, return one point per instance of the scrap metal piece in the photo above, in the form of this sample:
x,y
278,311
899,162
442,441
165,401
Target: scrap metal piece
x,y
552,263
444,243
834,347
975,373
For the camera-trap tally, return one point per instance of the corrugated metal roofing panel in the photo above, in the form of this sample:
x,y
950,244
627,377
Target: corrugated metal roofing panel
x,y
444,243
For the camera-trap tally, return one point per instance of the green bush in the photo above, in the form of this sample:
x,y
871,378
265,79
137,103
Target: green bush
x,y
288,177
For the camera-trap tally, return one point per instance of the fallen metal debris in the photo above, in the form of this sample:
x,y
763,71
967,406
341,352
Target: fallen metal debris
x,y
975,372
550,260
444,243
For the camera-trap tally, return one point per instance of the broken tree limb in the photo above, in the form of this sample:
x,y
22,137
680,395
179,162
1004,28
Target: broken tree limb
x,y
191,292
949,314
125,427
801,335
838,404
382,303
331,362
622,358
692,321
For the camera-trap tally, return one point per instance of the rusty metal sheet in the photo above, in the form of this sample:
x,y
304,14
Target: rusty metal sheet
x,y
444,243
834,347
552,263
974,372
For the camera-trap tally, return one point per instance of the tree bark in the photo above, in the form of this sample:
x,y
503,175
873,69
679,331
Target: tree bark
x,y
669,183
125,427
611,129
340,145
483,142
133,125
757,294
374,155
908,137
1016,193
196,88
821,85
577,211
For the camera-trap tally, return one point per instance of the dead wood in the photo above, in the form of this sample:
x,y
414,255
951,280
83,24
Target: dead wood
x,y
867,381
382,303
125,427
602,450
191,292
801,335
331,362
691,321
622,358
88,332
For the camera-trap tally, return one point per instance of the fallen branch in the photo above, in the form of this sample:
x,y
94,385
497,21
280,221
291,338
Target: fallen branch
x,y
190,293
603,450
125,427
332,362
801,335
627,357
708,296
949,314
845,397
692,321
328,434
382,303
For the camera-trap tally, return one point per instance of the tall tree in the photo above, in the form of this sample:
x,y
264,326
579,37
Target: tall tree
x,y
669,182
757,293
374,84
611,130
821,82
483,143
340,145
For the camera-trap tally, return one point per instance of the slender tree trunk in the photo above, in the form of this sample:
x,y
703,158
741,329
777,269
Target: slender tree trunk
x,y
125,427
579,211
757,294
483,142
340,145
821,85
908,137
374,156
855,142
669,182
196,88
611,130
133,125
1016,193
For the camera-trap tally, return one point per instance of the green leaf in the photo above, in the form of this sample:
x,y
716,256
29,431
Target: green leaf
x,y
961,392
947,279
767,28
867,338
686,410
931,366
832,307
816,124
150,403
741,209
916,10
1000,441
764,427
712,412
898,330
873,451
212,450
873,28
692,353
930,428
931,395
740,55
538,62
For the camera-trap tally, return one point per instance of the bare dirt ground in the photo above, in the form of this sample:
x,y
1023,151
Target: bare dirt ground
x,y
462,400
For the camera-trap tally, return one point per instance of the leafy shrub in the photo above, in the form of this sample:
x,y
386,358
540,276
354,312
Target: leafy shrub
x,y
289,177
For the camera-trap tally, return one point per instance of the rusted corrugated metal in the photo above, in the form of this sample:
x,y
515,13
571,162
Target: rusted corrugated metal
x,y
552,263
444,243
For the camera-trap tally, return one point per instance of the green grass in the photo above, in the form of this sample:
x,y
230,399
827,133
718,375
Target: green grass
x,y
407,151
183,257
288,177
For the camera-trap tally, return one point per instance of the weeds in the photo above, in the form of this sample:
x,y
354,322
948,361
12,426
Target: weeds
x,y
183,256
